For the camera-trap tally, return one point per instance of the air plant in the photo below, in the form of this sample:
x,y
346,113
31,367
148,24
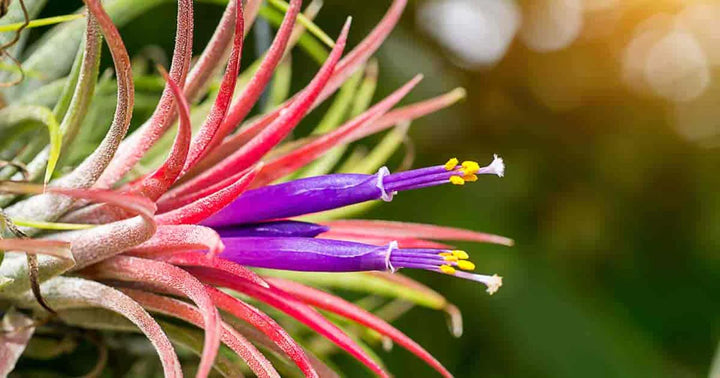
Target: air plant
x,y
103,230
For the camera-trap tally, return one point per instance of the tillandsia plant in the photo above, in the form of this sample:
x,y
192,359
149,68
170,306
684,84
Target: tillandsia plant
x,y
102,230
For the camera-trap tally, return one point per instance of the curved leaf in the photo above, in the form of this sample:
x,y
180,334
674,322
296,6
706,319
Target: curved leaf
x,y
69,293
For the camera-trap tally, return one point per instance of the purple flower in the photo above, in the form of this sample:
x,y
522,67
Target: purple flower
x,y
291,245
314,194
322,255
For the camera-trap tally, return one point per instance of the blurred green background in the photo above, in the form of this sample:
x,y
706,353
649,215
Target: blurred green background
x,y
607,114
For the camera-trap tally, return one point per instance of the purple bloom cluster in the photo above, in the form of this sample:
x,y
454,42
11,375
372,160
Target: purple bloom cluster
x,y
256,231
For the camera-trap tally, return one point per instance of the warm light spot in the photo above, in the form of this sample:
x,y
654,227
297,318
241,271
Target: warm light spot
x,y
476,32
551,25
677,68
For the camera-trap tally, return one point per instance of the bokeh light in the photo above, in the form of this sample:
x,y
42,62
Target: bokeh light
x,y
477,32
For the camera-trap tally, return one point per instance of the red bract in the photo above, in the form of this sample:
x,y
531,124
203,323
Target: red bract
x,y
202,208
329,302
211,127
72,293
229,336
157,183
276,131
171,279
259,81
135,146
346,66
304,314
301,156
413,230
171,239
229,267
266,325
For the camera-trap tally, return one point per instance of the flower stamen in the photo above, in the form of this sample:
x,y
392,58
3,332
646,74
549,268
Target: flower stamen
x,y
451,164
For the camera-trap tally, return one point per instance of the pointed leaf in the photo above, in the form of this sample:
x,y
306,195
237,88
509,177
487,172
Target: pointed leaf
x,y
339,306
175,238
174,280
134,147
230,337
275,132
211,128
229,267
48,207
203,208
257,84
284,302
297,158
69,293
414,111
266,325
412,230
192,339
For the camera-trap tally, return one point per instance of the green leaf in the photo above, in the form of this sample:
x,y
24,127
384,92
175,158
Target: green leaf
x,y
55,147
337,112
47,348
280,85
367,89
54,52
380,154
311,46
52,225
304,21
4,281
20,116
41,22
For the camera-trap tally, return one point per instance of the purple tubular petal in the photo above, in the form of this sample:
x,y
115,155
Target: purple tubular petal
x,y
304,254
274,229
314,194
303,196
326,255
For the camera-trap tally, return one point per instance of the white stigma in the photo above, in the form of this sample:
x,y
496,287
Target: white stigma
x,y
493,284
497,166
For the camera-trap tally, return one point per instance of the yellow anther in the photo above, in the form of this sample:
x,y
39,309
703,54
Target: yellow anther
x,y
447,269
465,265
445,254
457,180
470,167
450,258
451,164
470,178
462,255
